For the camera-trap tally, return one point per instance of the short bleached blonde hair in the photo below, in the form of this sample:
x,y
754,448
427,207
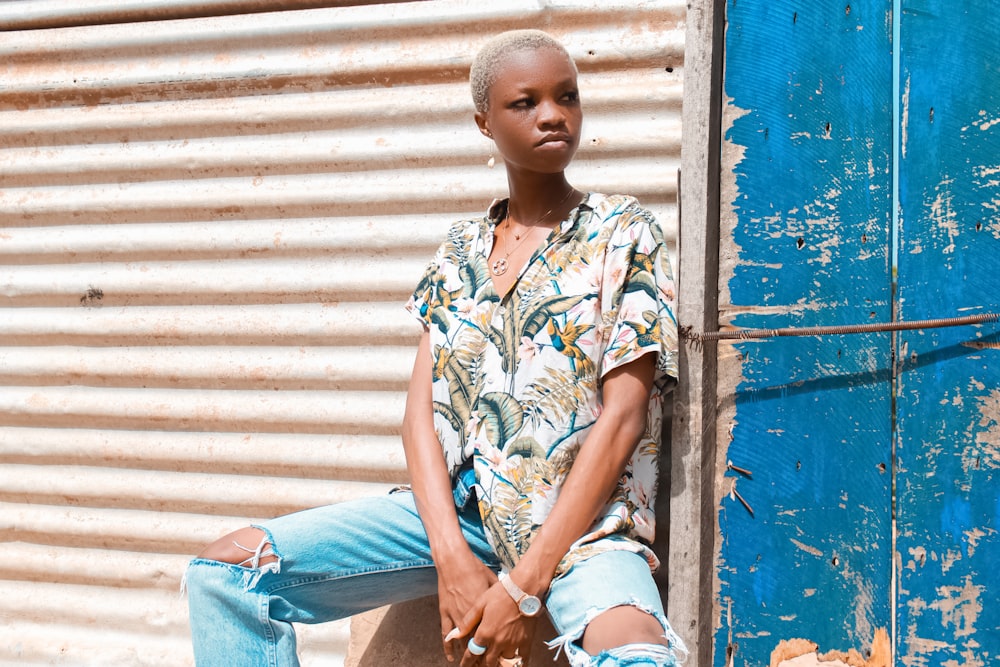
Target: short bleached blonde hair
x,y
487,63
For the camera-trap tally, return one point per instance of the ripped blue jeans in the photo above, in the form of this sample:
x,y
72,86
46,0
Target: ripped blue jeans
x,y
340,560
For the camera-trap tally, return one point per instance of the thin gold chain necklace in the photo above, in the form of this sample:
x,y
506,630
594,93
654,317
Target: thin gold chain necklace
x,y
500,265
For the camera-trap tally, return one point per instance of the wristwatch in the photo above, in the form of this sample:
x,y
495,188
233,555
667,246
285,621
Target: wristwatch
x,y
528,605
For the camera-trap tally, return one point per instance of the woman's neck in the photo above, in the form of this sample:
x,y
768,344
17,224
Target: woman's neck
x,y
531,198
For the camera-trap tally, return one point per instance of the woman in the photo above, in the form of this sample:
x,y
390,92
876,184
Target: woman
x,y
530,430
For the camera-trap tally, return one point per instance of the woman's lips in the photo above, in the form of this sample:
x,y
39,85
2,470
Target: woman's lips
x,y
554,138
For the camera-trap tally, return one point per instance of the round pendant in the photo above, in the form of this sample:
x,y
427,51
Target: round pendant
x,y
499,266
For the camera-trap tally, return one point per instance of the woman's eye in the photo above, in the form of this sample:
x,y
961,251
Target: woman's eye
x,y
572,96
524,103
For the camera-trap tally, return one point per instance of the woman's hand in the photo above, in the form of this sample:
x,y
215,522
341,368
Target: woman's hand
x,y
462,580
495,622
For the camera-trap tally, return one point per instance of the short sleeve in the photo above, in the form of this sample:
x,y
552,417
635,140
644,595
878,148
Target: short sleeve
x,y
421,302
638,295
441,274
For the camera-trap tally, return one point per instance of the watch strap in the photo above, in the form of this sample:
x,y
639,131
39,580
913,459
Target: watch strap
x,y
515,591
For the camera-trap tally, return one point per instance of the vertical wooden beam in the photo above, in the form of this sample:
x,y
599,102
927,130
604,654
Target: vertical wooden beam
x,y
692,526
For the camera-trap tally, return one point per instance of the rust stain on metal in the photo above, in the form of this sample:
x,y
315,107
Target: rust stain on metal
x,y
92,297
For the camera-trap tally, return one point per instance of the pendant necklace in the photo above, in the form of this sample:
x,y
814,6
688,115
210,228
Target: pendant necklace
x,y
500,265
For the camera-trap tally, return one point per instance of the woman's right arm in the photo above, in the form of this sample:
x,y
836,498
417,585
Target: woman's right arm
x,y
462,577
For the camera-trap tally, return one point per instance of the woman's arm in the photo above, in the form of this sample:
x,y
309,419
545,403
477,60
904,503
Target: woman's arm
x,y
593,477
462,577
595,474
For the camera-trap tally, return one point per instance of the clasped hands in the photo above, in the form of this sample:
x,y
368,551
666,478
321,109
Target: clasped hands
x,y
480,622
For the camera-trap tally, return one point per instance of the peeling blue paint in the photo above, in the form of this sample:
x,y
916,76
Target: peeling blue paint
x,y
828,425
948,438
811,84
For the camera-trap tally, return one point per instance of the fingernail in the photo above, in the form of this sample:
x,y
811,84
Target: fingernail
x,y
451,635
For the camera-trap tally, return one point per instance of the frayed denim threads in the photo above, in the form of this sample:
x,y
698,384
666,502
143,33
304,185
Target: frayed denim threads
x,y
636,655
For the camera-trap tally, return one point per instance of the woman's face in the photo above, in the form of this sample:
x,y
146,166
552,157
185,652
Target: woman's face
x,y
534,112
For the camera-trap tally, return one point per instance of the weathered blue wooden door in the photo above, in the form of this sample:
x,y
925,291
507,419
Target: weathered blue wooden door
x,y
948,399
861,184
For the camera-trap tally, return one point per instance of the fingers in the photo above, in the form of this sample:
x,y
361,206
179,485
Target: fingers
x,y
448,634
453,644
476,653
469,622
484,653
475,648
449,651
504,635
519,655
455,601
466,627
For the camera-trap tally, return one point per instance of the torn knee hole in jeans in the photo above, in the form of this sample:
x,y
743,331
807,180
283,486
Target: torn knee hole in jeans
x,y
261,555
675,648
262,559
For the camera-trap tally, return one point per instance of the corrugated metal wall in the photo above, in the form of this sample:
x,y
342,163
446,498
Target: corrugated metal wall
x,y
210,216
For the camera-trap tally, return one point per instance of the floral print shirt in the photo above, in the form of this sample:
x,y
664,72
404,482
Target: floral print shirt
x,y
517,379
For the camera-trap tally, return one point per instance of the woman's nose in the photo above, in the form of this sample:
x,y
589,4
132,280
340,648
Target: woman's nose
x,y
550,113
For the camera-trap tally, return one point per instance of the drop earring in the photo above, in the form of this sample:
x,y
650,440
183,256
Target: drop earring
x,y
492,161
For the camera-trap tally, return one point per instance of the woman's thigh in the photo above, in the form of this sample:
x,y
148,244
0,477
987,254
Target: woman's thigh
x,y
339,560
606,581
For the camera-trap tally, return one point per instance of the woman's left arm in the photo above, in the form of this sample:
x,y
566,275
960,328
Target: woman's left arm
x,y
595,474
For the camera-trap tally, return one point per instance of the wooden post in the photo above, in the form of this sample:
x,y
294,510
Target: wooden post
x,y
693,442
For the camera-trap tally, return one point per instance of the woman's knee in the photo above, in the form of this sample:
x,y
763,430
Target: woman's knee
x,y
247,546
622,625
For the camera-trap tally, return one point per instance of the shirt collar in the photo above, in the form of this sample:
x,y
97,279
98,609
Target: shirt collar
x,y
496,212
498,209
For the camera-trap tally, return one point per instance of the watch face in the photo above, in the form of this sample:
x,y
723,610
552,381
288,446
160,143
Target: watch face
x,y
530,605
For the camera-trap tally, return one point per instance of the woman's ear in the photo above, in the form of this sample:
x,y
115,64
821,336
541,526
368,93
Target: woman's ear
x,y
483,124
